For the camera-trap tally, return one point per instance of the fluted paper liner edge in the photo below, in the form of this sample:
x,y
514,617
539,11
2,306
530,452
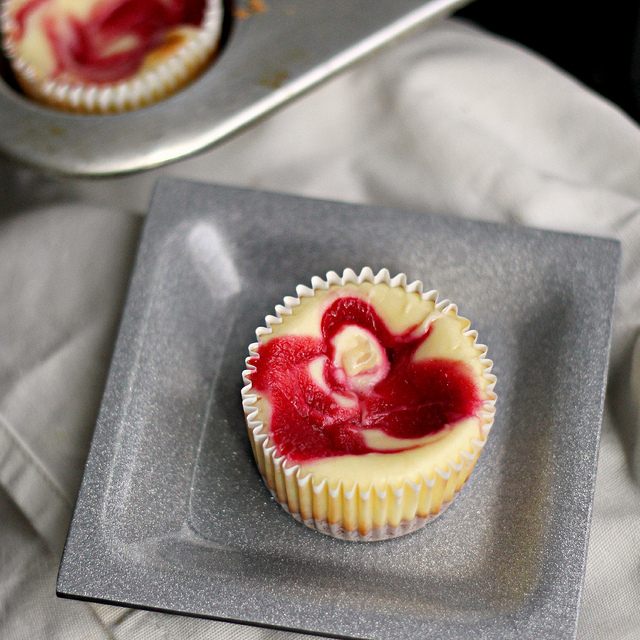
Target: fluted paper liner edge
x,y
349,513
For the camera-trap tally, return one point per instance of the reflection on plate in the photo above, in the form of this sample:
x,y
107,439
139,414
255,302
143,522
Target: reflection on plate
x,y
270,57
172,513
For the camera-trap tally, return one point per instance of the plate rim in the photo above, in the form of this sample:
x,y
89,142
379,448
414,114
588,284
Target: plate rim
x,y
156,226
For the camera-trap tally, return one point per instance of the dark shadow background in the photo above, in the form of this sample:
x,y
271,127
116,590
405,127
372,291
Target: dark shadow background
x,y
599,44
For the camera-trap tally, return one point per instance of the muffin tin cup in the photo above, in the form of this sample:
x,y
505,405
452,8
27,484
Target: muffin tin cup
x,y
361,513
161,79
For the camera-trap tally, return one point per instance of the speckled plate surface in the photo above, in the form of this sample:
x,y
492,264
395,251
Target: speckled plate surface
x,y
172,513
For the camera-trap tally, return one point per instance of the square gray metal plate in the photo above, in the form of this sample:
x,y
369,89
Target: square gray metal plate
x,y
172,513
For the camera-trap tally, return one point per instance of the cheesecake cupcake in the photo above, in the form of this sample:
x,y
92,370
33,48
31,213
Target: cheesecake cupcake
x,y
367,404
108,56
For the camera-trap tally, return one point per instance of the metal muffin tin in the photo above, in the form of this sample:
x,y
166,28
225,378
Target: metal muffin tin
x,y
267,59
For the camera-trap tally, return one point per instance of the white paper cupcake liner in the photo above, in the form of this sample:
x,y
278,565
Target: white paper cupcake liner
x,y
374,534
147,87
372,512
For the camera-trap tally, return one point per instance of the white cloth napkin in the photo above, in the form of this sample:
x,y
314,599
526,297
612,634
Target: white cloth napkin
x,y
450,120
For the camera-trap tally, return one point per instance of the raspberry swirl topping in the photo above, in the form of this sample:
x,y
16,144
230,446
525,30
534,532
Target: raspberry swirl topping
x,y
99,42
327,393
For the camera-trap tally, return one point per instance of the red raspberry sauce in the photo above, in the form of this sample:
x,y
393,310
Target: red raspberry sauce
x,y
82,47
415,399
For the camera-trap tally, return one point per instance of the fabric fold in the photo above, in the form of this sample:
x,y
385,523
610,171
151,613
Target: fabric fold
x,y
32,486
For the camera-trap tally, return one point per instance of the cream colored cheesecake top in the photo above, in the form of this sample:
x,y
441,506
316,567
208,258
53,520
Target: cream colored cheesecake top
x,y
371,384
97,41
